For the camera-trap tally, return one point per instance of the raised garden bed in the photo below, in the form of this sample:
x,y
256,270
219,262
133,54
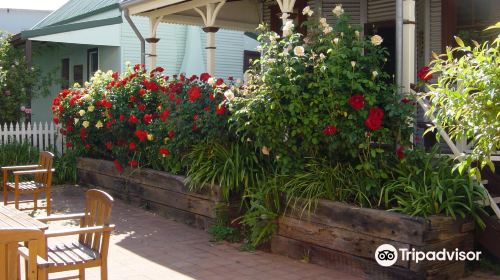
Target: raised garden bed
x,y
159,191
345,237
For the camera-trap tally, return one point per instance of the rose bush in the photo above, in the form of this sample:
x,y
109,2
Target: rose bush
x,y
322,95
140,119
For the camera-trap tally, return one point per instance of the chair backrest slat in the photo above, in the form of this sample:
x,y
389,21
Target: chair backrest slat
x,y
11,237
98,207
45,162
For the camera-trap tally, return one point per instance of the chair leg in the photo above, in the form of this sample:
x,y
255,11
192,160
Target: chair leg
x,y
49,203
43,273
5,195
16,198
104,270
35,201
81,274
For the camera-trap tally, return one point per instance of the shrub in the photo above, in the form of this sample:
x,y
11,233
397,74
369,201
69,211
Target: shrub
x,y
466,101
322,95
141,118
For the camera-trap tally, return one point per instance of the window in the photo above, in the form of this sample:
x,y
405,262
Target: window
x,y
92,62
78,74
65,73
248,57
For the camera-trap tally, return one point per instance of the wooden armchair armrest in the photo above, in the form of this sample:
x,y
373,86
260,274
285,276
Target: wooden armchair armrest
x,y
20,167
34,171
61,217
66,232
24,252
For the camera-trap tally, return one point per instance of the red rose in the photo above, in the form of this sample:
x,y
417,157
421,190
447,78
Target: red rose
x,y
219,82
122,118
357,101
142,135
400,152
423,74
133,163
56,120
132,98
178,100
164,115
87,147
83,133
108,124
69,145
211,97
142,92
194,93
115,75
405,100
220,110
132,119
56,101
230,78
204,77
141,107
109,145
118,166
374,120
147,118
164,151
171,96
132,146
171,134
329,130
196,117
159,69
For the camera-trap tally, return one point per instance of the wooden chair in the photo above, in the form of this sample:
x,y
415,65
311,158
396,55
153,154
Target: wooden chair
x,y
42,181
91,248
35,245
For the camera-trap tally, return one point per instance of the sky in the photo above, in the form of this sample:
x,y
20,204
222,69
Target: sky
x,y
32,4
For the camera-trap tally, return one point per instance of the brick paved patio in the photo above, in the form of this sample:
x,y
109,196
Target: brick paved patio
x,y
147,246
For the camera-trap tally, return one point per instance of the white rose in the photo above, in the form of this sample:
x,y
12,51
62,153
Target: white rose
x,y
356,33
211,81
98,124
327,30
288,28
374,74
229,95
81,112
85,124
336,41
322,56
376,40
91,108
307,11
338,11
298,51
353,64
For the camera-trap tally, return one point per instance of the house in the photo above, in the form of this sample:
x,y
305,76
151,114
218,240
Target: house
x,y
83,36
17,20
412,29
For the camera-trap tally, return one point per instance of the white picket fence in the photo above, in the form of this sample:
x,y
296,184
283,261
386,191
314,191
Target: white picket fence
x,y
41,135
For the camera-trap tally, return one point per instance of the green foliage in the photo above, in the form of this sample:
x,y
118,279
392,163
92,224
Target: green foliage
x,y
221,232
425,184
18,154
16,78
65,166
465,100
234,167
314,96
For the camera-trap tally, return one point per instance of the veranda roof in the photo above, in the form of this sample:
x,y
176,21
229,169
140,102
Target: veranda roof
x,y
241,15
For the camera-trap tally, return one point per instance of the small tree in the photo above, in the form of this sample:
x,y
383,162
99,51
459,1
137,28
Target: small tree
x,y
16,78
465,100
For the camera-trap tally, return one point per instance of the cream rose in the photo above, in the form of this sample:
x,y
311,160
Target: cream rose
x,y
307,11
85,124
376,40
298,51
338,11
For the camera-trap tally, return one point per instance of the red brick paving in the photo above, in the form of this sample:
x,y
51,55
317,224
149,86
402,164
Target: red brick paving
x,y
147,246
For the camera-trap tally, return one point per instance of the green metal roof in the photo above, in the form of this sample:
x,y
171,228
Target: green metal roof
x,y
75,10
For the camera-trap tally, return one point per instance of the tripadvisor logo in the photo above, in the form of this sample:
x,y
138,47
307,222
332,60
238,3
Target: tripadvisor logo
x,y
388,255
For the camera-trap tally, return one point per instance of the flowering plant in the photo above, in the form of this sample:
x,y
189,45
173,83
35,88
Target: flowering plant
x,y
140,118
325,94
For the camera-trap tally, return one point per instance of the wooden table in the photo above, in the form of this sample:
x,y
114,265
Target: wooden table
x,y
11,218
